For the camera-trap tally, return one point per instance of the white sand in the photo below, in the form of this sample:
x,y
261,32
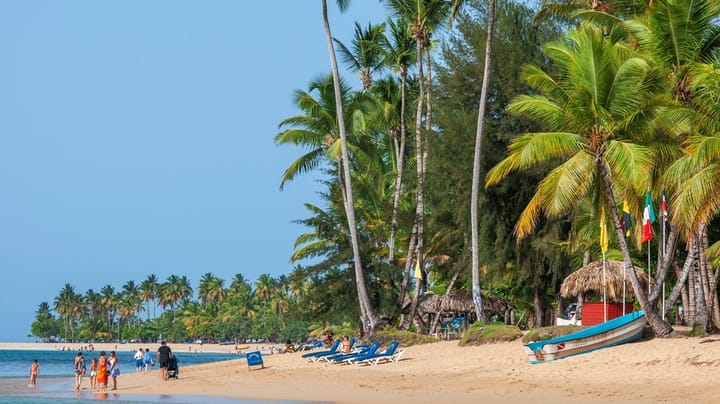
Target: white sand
x,y
659,370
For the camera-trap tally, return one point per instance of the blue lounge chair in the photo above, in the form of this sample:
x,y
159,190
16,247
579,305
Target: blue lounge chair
x,y
349,358
333,350
358,350
390,355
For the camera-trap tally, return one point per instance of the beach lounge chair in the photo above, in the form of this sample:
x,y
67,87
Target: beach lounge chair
x,y
349,358
309,347
389,355
314,355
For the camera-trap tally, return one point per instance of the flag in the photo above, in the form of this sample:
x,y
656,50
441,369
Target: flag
x,y
626,221
418,272
603,232
663,207
648,219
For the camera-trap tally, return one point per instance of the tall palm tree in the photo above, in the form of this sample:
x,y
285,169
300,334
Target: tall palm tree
x,y
424,17
400,54
149,289
211,289
265,286
63,305
109,302
370,318
366,53
475,191
604,96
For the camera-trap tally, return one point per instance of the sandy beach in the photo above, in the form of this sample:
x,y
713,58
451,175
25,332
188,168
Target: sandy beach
x,y
658,370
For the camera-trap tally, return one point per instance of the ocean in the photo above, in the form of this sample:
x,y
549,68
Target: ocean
x,y
56,378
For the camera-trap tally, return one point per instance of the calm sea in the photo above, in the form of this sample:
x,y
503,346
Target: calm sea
x,y
56,378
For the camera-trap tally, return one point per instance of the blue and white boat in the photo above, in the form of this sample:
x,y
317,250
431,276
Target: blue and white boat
x,y
617,331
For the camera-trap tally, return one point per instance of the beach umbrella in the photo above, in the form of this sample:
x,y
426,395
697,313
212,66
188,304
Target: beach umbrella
x,y
590,279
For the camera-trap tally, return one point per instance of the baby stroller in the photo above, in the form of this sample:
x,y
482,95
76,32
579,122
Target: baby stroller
x,y
173,371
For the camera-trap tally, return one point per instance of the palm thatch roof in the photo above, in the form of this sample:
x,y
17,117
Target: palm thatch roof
x,y
460,301
590,279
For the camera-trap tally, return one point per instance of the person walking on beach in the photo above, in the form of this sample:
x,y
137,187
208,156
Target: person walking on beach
x,y
80,369
147,359
163,358
114,368
93,373
139,355
34,370
102,375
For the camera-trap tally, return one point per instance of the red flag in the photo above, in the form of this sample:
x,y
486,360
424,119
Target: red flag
x,y
648,219
663,208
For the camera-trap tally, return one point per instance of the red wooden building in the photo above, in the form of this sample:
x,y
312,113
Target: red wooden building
x,y
592,312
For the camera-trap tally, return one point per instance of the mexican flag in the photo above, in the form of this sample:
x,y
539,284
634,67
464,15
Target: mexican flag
x,y
648,219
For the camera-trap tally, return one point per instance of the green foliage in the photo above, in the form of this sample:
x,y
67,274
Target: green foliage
x,y
406,338
697,331
479,334
45,325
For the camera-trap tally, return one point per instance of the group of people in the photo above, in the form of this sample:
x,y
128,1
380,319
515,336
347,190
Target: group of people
x,y
143,360
104,368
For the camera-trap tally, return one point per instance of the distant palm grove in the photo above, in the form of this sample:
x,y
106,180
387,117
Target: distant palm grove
x,y
461,166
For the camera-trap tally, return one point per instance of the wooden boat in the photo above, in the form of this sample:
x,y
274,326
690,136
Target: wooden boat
x,y
614,332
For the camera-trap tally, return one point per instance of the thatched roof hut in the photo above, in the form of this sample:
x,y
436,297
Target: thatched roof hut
x,y
460,301
590,279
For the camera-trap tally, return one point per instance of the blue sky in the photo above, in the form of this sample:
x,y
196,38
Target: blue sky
x,y
136,137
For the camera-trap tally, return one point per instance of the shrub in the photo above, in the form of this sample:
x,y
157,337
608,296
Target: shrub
x,y
479,334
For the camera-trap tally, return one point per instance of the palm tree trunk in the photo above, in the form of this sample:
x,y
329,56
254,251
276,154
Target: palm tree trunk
x,y
709,280
477,162
366,309
419,223
537,309
406,274
682,277
400,158
664,263
692,303
659,326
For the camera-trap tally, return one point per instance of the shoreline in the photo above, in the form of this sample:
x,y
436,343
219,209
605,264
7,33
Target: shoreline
x,y
266,349
657,370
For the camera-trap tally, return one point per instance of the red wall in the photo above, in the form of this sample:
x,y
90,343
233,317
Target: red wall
x,y
592,312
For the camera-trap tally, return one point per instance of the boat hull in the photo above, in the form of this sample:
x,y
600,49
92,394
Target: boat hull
x,y
617,331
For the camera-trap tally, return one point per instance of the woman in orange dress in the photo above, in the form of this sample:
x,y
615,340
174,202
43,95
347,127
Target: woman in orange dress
x,y
102,375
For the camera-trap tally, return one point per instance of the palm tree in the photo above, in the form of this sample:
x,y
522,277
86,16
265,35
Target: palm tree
x,y
109,302
370,318
63,305
366,55
265,287
482,105
149,292
423,16
211,289
605,94
399,56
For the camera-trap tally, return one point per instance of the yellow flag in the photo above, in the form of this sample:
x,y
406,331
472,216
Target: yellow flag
x,y
418,273
603,231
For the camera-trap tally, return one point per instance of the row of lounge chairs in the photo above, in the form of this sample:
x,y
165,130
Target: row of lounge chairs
x,y
359,354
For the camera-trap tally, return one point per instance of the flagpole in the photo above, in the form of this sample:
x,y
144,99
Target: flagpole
x,y
624,271
604,291
649,270
663,260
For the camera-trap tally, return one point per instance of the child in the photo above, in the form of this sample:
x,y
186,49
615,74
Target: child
x,y
34,370
93,372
